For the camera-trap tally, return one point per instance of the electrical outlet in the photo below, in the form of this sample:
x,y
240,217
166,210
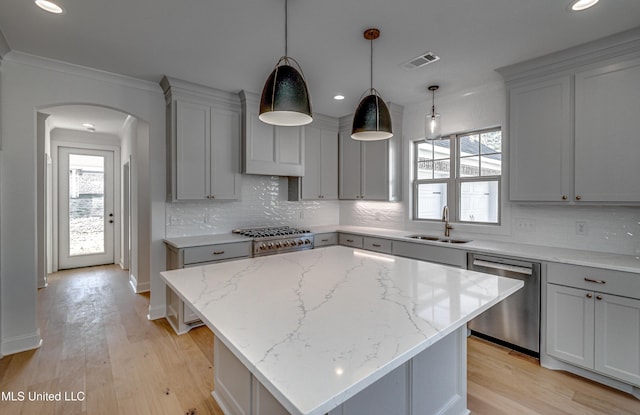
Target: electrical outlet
x,y
526,224
581,228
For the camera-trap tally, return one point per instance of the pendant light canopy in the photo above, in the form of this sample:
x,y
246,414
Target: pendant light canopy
x,y
432,120
371,120
285,96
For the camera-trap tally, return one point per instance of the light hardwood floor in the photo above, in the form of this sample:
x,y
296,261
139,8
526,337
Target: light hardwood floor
x,y
97,340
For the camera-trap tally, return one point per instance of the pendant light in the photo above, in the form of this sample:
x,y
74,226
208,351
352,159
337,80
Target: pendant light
x,y
285,97
371,120
432,121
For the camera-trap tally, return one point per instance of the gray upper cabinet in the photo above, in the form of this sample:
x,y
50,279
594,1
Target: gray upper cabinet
x,y
370,170
541,138
203,142
608,132
320,181
574,124
267,149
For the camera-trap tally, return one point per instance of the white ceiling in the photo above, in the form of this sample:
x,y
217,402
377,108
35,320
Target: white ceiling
x,y
234,44
71,117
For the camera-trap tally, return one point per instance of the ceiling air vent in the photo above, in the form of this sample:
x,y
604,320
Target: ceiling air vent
x,y
420,61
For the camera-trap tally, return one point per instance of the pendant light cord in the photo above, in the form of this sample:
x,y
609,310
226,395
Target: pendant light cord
x,y
433,104
286,28
371,65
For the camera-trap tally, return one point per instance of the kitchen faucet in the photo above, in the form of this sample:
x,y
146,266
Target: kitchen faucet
x,y
445,219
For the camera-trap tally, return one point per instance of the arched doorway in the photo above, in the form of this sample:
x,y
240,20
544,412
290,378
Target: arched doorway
x,y
86,168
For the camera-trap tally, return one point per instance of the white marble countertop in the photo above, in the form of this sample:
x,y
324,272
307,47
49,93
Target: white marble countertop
x,y
628,263
202,240
316,327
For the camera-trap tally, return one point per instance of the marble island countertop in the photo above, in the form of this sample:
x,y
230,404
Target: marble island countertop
x,y
316,327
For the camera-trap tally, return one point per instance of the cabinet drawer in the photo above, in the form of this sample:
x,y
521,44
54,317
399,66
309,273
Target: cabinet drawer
x,y
325,239
348,239
377,244
621,283
217,252
431,253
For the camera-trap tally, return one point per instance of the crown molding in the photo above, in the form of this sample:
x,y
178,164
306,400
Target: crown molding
x,y
608,47
80,71
174,87
4,46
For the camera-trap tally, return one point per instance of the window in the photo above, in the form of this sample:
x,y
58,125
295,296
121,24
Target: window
x,y
463,172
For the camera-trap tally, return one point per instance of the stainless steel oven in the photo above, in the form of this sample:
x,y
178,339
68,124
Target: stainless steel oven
x,y
515,321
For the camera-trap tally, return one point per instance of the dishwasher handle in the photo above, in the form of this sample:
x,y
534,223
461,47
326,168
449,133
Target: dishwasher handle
x,y
505,267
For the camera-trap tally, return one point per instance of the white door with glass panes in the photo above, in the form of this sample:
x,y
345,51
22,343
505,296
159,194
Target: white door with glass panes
x,y
86,218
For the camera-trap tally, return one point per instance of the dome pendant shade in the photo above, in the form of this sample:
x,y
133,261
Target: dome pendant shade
x,y
285,97
372,120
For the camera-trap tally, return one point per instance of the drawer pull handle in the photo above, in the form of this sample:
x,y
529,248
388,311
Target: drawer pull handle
x,y
598,297
587,279
218,253
376,245
350,240
324,240
589,295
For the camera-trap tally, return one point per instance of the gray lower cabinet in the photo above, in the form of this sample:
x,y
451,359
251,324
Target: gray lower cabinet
x,y
593,320
325,239
347,239
377,244
179,315
431,253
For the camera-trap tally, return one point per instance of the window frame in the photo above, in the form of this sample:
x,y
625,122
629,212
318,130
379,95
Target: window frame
x,y
454,181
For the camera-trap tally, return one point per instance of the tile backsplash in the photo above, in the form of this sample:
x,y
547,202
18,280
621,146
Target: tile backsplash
x,y
263,202
614,229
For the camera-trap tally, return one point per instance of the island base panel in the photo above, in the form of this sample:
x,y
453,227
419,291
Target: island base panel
x,y
433,382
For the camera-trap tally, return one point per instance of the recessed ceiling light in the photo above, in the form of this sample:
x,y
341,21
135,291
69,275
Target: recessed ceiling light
x,y
49,6
338,97
578,5
88,125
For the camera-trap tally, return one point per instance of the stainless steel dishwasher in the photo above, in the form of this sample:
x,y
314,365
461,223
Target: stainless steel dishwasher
x,y
515,321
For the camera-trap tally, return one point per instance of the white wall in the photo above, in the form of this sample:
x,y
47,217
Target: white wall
x,y
610,228
30,83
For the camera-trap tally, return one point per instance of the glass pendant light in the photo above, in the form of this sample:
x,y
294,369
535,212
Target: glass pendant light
x,y
432,121
285,96
371,120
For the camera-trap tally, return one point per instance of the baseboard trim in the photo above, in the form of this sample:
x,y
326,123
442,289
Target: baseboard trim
x,y
138,287
20,344
157,312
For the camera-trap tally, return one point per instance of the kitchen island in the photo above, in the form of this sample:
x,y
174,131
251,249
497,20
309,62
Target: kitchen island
x,y
338,330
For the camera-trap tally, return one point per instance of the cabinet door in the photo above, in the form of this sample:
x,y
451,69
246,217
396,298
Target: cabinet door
x,y
570,324
193,125
608,133
350,167
225,154
290,150
375,170
541,148
617,333
329,164
311,188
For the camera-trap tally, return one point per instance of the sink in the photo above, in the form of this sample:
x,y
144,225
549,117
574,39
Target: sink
x,y
453,241
425,237
438,239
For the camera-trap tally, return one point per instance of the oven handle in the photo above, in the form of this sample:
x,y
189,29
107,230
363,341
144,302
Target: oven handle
x,y
505,267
